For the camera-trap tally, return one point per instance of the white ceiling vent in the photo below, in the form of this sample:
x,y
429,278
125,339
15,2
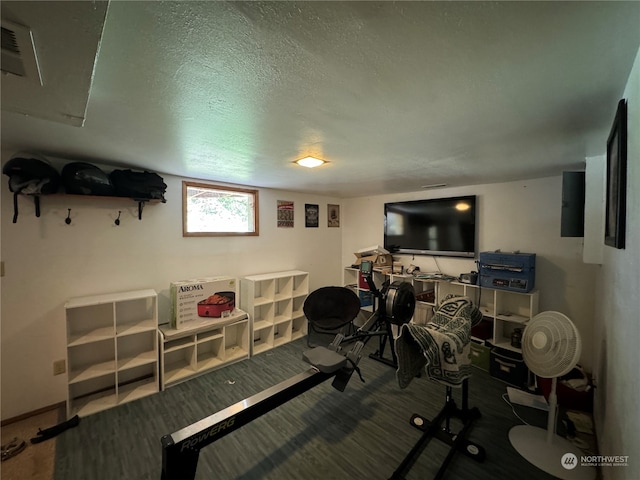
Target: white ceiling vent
x,y
19,53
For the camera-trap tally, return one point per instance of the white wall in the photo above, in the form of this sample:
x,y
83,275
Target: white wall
x,y
512,216
47,262
617,318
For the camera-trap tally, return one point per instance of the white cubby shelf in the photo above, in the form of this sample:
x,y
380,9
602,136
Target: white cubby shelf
x,y
274,303
112,354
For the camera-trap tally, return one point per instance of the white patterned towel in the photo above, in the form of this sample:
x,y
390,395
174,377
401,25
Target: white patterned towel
x,y
442,345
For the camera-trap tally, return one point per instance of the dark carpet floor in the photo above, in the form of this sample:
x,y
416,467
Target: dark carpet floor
x,y
362,433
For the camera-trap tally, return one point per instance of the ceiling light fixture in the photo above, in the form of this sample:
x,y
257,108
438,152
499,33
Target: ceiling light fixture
x,y
310,162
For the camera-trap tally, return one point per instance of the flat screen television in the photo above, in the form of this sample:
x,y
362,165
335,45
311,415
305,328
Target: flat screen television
x,y
440,226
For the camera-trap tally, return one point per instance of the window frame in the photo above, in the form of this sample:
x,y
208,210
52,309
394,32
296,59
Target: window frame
x,y
229,188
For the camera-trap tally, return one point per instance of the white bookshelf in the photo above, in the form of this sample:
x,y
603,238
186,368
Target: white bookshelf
x,y
112,355
274,303
506,309
202,347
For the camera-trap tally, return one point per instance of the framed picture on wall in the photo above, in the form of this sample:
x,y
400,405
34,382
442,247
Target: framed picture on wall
x,y
285,214
311,214
616,207
333,215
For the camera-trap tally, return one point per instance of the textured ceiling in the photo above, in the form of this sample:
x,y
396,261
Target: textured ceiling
x,y
395,95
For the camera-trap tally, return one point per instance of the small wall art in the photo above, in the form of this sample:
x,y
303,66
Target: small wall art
x,y
311,215
333,215
285,214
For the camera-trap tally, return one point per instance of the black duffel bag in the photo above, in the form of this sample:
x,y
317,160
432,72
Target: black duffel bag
x,y
138,185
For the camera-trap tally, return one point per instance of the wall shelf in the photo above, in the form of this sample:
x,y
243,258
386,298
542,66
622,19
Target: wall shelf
x,y
141,202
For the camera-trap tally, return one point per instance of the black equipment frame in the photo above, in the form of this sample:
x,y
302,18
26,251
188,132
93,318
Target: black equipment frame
x,y
378,323
381,326
434,429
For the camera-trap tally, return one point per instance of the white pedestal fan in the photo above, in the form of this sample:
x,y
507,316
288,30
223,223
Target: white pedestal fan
x,y
551,347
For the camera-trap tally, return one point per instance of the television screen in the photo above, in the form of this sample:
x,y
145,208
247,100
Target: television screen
x,y
441,226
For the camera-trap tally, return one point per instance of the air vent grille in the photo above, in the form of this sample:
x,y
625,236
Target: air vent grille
x,y
18,52
9,41
11,61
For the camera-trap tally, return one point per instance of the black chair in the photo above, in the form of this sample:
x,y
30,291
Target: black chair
x,y
331,310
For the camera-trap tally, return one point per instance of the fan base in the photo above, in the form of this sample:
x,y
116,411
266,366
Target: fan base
x,y
531,443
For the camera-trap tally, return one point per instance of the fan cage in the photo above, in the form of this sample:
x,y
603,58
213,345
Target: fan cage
x,y
551,345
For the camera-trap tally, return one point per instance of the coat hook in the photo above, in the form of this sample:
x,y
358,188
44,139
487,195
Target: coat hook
x,y
117,221
140,207
68,219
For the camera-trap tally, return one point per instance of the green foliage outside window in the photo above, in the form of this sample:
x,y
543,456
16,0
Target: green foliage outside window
x,y
210,210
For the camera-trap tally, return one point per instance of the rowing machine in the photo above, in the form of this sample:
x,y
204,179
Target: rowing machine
x,y
327,308
181,449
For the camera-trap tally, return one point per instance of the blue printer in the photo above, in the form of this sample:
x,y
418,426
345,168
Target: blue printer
x,y
508,271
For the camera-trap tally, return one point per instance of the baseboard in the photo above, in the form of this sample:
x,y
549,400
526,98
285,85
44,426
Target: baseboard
x,y
56,406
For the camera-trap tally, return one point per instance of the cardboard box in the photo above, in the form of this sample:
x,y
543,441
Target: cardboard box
x,y
376,254
202,298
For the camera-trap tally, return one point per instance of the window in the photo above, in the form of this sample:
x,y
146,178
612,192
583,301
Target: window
x,y
214,210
